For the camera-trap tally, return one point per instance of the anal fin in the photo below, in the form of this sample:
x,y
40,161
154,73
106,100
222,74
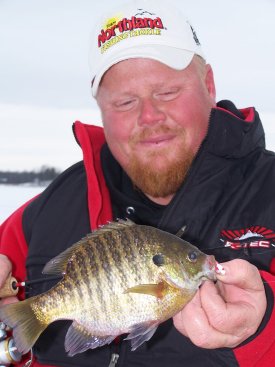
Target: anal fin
x,y
141,333
79,339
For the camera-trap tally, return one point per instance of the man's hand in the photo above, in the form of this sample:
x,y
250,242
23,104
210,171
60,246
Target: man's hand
x,y
5,271
228,312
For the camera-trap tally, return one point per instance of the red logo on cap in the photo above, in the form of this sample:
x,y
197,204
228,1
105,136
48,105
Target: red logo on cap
x,y
128,25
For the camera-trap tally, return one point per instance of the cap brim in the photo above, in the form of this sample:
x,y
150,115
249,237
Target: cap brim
x,y
173,57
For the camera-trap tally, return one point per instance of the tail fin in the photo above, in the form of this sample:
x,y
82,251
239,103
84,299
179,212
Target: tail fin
x,y
26,328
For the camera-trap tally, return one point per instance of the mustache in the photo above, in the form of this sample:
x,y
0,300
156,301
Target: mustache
x,y
149,132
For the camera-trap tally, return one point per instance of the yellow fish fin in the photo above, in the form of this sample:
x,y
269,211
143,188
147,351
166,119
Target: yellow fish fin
x,y
26,327
79,339
157,290
141,333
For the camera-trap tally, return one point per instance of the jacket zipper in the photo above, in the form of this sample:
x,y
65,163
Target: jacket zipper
x,y
114,359
164,220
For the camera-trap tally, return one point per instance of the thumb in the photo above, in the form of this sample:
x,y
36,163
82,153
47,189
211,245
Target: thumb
x,y
242,274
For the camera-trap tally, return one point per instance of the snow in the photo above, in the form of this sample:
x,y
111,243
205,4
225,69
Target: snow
x,y
13,196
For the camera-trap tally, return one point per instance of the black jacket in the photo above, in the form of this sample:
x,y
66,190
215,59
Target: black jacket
x,y
226,204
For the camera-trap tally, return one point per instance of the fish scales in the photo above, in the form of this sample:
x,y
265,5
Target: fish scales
x,y
102,261
137,271
115,248
76,269
71,286
47,307
85,279
95,279
120,279
72,292
104,277
132,266
126,248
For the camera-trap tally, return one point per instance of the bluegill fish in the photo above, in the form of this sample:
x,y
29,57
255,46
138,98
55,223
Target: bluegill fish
x,y
121,279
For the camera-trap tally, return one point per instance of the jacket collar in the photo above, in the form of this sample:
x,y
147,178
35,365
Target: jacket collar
x,y
232,133
91,138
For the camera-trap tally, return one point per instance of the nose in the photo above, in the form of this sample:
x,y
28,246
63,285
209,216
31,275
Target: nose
x,y
150,113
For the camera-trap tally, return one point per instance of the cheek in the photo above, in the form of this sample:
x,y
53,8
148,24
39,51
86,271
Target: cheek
x,y
193,116
117,134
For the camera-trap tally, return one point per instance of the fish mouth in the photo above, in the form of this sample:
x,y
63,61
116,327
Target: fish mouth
x,y
206,277
210,268
211,275
209,272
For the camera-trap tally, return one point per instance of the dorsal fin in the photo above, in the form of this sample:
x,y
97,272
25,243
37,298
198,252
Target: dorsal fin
x,y
58,264
109,227
115,225
181,231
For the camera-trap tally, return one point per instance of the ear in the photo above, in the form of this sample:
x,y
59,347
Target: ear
x,y
210,83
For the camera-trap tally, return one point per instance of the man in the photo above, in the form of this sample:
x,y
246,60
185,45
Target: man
x,y
173,159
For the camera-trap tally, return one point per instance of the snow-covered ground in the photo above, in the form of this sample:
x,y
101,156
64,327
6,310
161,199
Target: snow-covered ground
x,y
13,196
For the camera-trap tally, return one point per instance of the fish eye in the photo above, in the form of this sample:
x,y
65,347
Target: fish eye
x,y
158,259
192,256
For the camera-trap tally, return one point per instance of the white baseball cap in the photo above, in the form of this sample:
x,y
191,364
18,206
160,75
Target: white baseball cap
x,y
142,28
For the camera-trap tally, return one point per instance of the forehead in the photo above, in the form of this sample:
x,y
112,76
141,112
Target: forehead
x,y
136,71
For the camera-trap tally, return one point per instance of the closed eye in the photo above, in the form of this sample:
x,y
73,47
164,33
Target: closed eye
x,y
125,105
168,95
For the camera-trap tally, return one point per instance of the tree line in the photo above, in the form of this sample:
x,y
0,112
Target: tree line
x,y
42,176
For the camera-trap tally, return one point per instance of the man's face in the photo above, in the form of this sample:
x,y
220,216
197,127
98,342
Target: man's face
x,y
155,119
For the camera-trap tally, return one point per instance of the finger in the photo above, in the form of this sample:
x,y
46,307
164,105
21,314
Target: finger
x,y
8,300
180,318
234,318
5,269
241,273
242,284
193,322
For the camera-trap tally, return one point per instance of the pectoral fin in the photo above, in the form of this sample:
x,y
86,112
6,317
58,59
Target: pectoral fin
x,y
157,290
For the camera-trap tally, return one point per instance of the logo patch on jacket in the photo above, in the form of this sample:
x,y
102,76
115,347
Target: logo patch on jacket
x,y
252,237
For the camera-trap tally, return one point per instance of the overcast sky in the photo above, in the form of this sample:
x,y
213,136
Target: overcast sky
x,y
44,73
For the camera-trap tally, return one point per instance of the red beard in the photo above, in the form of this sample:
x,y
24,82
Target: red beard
x,y
159,180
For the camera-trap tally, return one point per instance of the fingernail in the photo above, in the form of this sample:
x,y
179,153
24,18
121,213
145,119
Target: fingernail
x,y
219,269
